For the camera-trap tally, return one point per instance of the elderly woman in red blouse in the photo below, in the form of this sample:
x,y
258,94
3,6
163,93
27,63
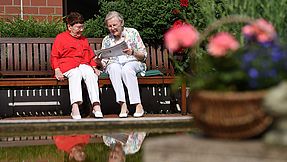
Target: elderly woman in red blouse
x,y
72,57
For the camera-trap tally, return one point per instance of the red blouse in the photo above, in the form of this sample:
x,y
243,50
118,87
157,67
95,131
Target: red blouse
x,y
69,52
66,143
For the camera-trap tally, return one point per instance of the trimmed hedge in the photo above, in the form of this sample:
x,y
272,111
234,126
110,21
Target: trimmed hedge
x,y
30,28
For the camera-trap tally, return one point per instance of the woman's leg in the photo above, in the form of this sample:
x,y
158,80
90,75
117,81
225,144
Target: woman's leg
x,y
91,80
75,89
114,70
129,72
129,76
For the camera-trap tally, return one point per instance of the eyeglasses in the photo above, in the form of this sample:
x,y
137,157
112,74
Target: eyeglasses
x,y
79,27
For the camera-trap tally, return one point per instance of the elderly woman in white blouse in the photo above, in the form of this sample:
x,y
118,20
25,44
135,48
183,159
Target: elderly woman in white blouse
x,y
123,69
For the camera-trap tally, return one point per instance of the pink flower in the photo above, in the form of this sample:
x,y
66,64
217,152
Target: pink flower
x,y
261,30
184,3
221,43
181,35
248,30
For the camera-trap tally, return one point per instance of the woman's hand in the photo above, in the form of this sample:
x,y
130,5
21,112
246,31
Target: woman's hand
x,y
59,75
97,71
138,55
128,51
98,60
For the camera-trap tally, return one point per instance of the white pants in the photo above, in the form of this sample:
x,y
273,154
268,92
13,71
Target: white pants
x,y
75,77
126,73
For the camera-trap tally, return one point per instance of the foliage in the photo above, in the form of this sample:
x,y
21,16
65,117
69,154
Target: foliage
x,y
259,64
150,20
253,67
30,28
153,18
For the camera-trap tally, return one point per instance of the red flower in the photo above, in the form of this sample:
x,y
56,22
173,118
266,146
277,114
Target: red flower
x,y
177,24
181,35
183,3
221,43
175,11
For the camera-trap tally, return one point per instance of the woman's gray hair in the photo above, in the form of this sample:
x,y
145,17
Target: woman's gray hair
x,y
113,14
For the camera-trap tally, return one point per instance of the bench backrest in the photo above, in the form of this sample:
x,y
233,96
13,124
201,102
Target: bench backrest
x,y
31,56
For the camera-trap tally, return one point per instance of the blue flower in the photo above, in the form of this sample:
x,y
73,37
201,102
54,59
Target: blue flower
x,y
276,54
253,84
248,57
253,73
266,44
271,73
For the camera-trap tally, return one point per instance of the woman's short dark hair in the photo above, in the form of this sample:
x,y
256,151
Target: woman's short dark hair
x,y
74,18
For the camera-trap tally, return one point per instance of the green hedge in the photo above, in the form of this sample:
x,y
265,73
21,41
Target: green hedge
x,y
152,18
30,28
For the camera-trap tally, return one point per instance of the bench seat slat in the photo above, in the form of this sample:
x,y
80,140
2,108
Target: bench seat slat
x,y
2,56
36,57
153,58
23,56
159,58
10,56
16,57
29,57
26,73
48,50
42,57
4,82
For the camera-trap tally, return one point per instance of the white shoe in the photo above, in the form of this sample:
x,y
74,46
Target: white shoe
x,y
77,117
124,111
123,115
139,114
98,114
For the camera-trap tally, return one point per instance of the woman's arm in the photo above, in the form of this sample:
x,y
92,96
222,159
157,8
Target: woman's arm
x,y
140,52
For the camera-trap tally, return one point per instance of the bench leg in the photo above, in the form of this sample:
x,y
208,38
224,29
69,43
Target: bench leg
x,y
183,98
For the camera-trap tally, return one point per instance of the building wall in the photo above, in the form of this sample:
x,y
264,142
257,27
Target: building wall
x,y
38,9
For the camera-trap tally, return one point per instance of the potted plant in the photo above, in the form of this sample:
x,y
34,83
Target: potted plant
x,y
228,78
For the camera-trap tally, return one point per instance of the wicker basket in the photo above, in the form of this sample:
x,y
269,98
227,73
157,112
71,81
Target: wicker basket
x,y
234,115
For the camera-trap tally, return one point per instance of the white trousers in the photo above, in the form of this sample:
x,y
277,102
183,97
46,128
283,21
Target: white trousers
x,y
75,77
126,73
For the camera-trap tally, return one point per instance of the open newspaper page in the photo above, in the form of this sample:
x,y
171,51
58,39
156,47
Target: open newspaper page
x,y
114,51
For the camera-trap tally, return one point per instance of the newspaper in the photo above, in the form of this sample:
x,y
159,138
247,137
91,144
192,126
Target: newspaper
x,y
114,51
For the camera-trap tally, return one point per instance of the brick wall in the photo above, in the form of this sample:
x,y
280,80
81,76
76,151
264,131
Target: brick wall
x,y
38,9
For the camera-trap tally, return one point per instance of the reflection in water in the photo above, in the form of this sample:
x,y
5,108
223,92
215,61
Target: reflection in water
x,y
122,144
112,147
35,140
73,145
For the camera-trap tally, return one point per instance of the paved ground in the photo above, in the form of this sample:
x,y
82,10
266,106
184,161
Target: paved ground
x,y
30,126
89,117
187,148
172,148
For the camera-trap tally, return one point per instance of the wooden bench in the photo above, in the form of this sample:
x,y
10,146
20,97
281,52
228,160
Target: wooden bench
x,y
26,62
